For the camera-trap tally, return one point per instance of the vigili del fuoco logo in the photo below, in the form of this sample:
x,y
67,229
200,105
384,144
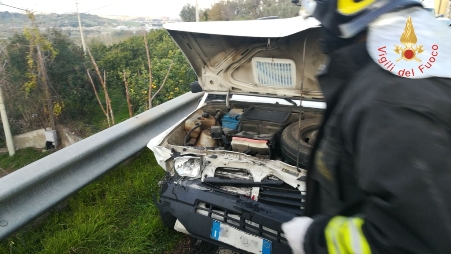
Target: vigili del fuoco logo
x,y
409,40
410,55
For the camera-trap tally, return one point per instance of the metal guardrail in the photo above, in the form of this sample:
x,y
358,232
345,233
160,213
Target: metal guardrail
x,y
32,190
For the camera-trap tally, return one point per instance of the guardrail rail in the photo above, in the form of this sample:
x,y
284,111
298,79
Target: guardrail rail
x,y
32,190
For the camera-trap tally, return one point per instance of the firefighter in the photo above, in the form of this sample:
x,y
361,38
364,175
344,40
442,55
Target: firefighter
x,y
379,179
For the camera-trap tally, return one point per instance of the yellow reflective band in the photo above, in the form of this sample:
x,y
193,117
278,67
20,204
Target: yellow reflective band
x,y
365,246
332,235
345,235
351,7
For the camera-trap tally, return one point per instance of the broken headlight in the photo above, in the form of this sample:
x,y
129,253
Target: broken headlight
x,y
188,166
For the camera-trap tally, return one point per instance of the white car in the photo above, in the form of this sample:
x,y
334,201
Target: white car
x,y
235,166
445,21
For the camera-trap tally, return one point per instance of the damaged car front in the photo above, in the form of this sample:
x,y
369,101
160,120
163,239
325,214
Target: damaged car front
x,y
235,166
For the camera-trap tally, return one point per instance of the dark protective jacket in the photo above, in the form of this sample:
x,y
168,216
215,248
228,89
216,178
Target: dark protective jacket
x,y
380,175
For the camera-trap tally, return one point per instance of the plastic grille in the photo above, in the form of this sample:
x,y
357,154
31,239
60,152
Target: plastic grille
x,y
273,72
284,197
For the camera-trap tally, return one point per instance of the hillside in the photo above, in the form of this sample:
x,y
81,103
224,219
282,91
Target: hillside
x,y
105,30
17,20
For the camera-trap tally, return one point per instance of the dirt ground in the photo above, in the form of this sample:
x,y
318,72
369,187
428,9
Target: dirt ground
x,y
3,172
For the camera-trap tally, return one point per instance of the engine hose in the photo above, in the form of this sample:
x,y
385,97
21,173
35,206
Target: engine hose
x,y
189,133
218,117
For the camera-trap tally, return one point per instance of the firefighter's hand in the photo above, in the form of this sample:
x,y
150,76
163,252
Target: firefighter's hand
x,y
294,231
309,6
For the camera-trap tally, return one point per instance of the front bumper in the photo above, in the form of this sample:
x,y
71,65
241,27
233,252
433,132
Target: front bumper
x,y
198,206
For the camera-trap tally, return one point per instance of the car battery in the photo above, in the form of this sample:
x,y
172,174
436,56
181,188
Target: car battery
x,y
246,142
264,120
231,120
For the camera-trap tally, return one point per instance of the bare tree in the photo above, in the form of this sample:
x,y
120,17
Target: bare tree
x,y
164,81
36,41
109,110
149,93
107,97
130,109
98,99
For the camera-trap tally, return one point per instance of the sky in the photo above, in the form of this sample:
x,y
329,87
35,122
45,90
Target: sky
x,y
147,8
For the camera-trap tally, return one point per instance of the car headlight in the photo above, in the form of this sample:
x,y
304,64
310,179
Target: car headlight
x,y
188,166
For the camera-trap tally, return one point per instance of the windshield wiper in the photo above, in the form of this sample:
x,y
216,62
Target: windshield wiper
x,y
291,101
240,183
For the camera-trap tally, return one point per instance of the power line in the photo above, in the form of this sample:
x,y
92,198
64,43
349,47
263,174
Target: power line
x,y
14,7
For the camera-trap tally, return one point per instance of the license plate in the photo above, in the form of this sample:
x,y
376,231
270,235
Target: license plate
x,y
227,234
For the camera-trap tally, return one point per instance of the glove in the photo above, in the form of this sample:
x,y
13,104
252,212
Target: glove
x,y
294,231
309,6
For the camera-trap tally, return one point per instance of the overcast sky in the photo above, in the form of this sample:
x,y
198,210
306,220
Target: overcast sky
x,y
153,8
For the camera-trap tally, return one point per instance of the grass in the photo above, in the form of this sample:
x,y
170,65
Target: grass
x,y
114,214
20,159
119,105
96,117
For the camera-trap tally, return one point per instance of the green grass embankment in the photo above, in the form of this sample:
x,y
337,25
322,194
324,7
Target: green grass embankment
x,y
97,119
114,214
20,159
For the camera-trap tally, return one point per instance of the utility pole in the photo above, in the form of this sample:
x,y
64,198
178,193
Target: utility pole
x,y
197,11
81,30
6,128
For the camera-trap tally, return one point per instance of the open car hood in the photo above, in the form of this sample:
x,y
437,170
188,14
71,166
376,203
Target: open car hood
x,y
259,57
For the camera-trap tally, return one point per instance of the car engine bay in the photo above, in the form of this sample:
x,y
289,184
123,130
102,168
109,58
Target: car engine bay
x,y
249,150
